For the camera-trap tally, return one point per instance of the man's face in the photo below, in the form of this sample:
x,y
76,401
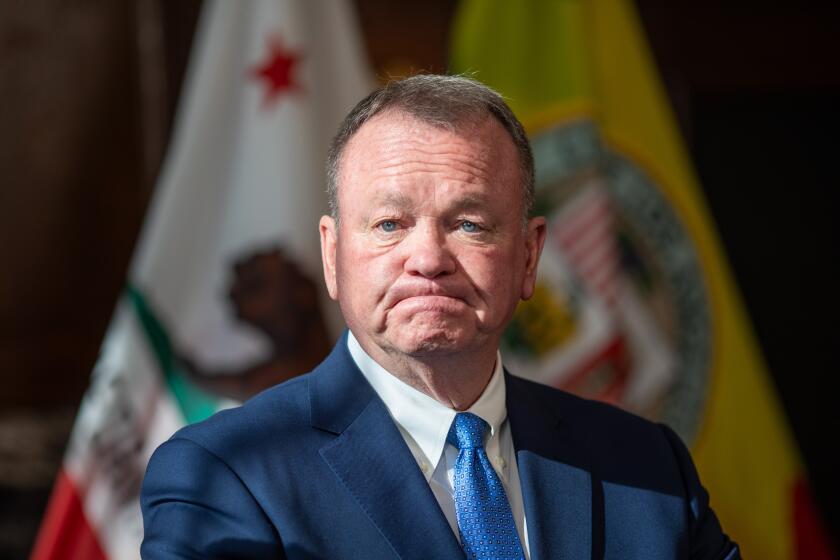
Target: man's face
x,y
431,256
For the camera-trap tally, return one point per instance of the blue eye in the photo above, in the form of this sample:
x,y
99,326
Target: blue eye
x,y
469,227
388,226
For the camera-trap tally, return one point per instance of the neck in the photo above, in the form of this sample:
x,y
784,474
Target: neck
x,y
456,379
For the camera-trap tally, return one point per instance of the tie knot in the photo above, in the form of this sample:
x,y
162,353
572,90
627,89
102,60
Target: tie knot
x,y
467,431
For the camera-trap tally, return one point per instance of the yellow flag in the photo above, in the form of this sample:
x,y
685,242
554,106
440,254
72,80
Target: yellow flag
x,y
636,304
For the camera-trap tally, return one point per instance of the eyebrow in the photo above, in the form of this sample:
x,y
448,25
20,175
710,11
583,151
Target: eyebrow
x,y
472,202
393,199
400,201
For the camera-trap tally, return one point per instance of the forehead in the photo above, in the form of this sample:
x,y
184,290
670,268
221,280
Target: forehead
x,y
394,148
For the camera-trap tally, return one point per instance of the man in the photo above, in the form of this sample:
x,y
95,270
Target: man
x,y
410,440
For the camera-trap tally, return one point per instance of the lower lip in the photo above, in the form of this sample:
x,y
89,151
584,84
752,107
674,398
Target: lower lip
x,y
431,303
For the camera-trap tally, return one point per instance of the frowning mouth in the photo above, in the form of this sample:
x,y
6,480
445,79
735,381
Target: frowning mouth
x,y
426,296
428,302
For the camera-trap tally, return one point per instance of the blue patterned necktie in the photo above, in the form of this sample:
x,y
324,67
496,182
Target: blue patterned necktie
x,y
484,517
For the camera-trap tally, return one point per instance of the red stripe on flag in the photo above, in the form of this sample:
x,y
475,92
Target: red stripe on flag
x,y
589,207
612,356
809,536
65,531
592,265
585,234
598,236
576,235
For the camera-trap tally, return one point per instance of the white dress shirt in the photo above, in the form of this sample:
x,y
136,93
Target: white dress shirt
x,y
425,422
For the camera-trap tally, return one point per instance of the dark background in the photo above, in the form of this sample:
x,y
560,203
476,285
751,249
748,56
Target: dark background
x,y
88,90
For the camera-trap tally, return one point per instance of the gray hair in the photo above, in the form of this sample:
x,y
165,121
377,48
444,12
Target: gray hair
x,y
442,101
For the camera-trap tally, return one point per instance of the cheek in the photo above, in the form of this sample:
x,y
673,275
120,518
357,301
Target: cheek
x,y
493,271
362,280
498,279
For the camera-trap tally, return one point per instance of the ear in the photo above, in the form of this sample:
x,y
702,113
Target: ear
x,y
329,239
535,233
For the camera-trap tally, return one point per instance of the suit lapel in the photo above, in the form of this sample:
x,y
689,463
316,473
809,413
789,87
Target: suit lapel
x,y
372,461
557,487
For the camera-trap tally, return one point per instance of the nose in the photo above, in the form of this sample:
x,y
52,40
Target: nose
x,y
428,254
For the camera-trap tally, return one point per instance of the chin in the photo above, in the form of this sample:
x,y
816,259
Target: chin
x,y
433,342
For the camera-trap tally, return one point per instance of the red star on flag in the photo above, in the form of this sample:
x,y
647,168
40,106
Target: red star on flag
x,y
276,72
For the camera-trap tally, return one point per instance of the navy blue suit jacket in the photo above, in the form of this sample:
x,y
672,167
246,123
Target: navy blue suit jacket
x,y
316,468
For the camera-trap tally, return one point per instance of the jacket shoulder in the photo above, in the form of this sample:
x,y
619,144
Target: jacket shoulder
x,y
597,414
275,412
612,437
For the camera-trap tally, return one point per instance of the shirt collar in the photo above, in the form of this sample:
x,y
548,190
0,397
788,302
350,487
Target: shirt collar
x,y
426,420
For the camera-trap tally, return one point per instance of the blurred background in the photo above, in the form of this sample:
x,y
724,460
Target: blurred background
x,y
88,96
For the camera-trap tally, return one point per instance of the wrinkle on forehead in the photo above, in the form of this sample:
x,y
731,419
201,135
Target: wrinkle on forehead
x,y
403,140
396,199
468,168
392,150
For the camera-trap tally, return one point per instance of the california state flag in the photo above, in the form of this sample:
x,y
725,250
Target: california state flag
x,y
224,295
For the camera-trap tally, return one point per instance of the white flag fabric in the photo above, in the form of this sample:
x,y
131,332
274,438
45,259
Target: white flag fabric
x,y
223,294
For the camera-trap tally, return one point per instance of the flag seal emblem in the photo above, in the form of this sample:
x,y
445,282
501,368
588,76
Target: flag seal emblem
x,y
621,311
